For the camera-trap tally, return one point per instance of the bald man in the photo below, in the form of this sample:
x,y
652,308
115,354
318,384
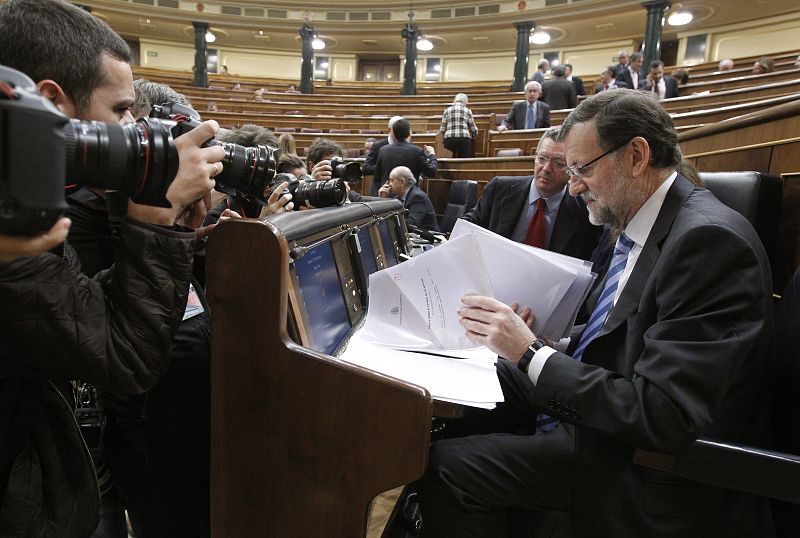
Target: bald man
x,y
403,185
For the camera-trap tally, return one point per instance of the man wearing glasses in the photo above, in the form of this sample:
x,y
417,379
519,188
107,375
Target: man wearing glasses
x,y
537,209
676,348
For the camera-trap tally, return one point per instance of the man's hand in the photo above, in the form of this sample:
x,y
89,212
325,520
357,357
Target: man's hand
x,y
322,171
197,165
428,150
502,127
17,246
385,191
279,201
495,325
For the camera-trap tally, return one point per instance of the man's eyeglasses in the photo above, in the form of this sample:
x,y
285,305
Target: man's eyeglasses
x,y
542,160
580,172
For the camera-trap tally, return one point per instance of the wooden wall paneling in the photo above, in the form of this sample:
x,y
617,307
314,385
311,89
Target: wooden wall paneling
x,y
756,159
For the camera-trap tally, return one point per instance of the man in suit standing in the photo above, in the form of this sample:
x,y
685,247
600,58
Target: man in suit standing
x,y
677,347
541,70
576,81
630,77
558,92
622,62
403,185
665,86
607,81
402,153
528,114
372,155
509,205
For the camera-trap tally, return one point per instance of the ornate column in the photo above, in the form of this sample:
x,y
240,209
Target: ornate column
x,y
652,34
523,50
307,69
200,55
411,34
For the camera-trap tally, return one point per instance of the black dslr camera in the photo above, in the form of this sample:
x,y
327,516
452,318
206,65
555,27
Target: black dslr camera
x,y
350,172
40,148
306,191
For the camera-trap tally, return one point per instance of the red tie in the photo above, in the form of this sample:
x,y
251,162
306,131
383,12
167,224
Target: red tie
x,y
537,229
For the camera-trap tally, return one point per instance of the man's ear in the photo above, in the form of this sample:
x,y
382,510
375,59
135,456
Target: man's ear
x,y
641,155
51,90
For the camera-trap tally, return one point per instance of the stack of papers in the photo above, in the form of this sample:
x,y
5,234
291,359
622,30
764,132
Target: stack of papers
x,y
411,330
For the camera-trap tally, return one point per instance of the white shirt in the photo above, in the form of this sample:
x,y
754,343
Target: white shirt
x,y
637,230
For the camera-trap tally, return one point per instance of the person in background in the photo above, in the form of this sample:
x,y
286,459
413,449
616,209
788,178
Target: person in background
x,y
403,186
368,145
529,113
287,143
147,94
541,70
458,127
223,70
558,92
630,77
607,81
763,65
726,64
665,86
622,62
576,81
681,74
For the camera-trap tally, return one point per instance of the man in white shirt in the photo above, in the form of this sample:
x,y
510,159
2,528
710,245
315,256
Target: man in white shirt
x,y
676,347
664,86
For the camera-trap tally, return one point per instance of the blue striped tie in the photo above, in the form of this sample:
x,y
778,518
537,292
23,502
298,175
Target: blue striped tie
x,y
600,313
530,118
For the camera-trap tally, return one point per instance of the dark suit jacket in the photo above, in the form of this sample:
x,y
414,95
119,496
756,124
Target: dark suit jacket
x,y
503,200
684,353
559,93
671,87
578,83
402,154
516,117
420,210
625,80
372,156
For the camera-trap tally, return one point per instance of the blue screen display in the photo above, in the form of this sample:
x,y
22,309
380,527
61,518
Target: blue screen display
x,y
388,244
367,252
321,292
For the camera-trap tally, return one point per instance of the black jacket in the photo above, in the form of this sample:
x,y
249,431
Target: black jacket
x,y
420,210
402,154
115,330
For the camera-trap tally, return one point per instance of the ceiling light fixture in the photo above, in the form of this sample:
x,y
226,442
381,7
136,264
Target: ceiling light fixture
x,y
424,44
680,18
210,37
540,38
317,43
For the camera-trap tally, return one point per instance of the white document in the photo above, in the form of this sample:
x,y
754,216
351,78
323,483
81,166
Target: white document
x,y
471,380
414,305
552,285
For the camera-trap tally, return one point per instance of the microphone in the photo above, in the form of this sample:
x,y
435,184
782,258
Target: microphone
x,y
423,233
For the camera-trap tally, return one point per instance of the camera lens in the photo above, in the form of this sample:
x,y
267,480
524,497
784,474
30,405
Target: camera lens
x,y
247,171
350,172
321,193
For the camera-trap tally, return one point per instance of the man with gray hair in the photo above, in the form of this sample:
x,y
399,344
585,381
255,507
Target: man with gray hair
x,y
677,346
148,93
536,209
403,185
372,156
726,64
541,69
458,127
528,114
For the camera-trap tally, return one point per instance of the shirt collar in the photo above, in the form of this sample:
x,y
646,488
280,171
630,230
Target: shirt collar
x,y
552,202
638,229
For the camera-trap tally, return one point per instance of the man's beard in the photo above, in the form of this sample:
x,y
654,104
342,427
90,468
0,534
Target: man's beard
x,y
615,210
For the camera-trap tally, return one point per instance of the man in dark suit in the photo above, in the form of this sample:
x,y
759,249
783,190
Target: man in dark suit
x,y
528,114
630,77
508,204
676,347
665,86
372,155
622,62
607,81
403,185
558,92
576,81
402,153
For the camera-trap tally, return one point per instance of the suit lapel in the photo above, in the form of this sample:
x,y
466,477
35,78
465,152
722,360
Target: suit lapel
x,y
512,206
629,299
565,225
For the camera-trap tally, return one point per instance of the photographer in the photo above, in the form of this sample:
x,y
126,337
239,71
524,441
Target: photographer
x,y
320,153
115,331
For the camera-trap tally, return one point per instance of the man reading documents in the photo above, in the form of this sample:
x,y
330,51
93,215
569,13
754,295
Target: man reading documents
x,y
676,347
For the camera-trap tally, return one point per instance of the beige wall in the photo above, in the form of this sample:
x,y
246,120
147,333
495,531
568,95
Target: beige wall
x,y
487,67
589,61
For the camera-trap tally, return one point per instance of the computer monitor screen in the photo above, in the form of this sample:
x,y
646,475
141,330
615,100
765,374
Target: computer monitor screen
x,y
367,252
321,292
388,244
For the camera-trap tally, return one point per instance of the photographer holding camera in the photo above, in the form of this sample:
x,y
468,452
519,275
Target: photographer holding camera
x,y
115,331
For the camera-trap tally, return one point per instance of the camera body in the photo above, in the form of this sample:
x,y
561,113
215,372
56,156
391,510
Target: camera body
x,y
31,156
350,172
306,191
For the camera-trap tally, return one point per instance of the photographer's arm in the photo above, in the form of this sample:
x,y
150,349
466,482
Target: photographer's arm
x,y
17,246
114,330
